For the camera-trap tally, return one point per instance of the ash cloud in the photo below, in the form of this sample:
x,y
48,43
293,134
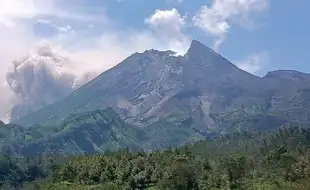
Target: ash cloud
x,y
42,78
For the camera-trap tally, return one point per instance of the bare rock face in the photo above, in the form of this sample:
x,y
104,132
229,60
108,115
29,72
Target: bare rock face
x,y
201,89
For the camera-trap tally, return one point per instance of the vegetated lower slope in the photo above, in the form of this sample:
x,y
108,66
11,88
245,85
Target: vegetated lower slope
x,y
95,131
247,160
201,85
90,132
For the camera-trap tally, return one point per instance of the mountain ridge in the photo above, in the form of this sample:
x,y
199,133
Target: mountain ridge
x,y
202,85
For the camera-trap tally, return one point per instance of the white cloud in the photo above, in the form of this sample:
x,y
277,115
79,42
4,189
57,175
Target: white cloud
x,y
253,63
78,58
168,25
41,78
81,56
61,29
15,38
217,19
14,42
175,1
6,98
11,11
65,29
43,21
167,22
46,75
109,48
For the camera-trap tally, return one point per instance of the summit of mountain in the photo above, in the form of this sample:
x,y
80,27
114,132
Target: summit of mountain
x,y
202,87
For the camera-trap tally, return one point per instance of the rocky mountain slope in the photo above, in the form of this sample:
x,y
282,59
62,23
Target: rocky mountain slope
x,y
200,89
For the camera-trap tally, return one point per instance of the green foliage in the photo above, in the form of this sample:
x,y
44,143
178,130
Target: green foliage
x,y
90,132
257,160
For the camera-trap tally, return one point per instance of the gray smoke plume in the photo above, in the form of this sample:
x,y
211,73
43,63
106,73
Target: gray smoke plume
x,y
42,78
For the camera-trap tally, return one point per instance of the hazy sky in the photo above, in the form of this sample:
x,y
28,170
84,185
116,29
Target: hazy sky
x,y
82,38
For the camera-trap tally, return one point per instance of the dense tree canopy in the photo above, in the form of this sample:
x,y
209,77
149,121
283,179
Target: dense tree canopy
x,y
278,160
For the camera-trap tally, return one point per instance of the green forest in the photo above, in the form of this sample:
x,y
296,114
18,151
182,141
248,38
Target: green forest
x,y
276,159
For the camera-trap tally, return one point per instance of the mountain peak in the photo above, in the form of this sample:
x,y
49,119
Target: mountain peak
x,y
154,52
196,43
197,47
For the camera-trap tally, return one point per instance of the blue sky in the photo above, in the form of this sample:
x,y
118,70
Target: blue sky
x,y
279,32
282,31
90,36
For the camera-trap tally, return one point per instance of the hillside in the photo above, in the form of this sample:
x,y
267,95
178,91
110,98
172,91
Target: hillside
x,y
200,86
92,132
277,159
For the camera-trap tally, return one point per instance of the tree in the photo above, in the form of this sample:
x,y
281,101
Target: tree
x,y
182,176
236,168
